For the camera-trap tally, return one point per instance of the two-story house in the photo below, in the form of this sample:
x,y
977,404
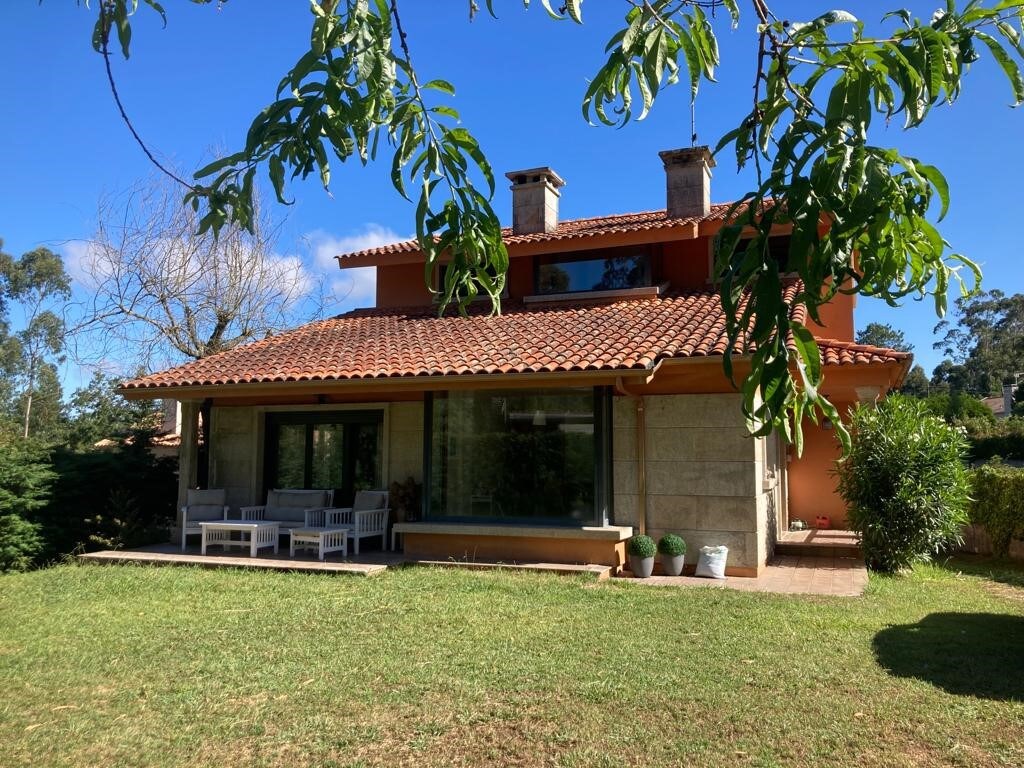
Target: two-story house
x,y
594,406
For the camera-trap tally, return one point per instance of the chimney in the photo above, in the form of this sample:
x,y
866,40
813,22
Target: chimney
x,y
1007,400
688,181
535,200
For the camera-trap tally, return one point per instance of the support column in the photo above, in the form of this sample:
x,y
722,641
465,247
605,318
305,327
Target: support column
x,y
188,453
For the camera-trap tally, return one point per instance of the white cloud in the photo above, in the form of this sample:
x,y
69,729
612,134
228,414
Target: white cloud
x,y
79,261
356,287
326,246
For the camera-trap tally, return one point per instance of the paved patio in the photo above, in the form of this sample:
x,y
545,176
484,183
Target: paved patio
x,y
788,575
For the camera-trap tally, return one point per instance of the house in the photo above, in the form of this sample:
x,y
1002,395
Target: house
x,y
594,406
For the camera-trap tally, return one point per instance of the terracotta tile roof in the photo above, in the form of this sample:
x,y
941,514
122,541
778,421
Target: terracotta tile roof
x,y
847,353
569,230
382,344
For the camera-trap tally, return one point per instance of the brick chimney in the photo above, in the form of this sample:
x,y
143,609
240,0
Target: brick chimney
x,y
688,181
535,200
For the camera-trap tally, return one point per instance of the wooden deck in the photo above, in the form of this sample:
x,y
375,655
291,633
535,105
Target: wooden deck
x,y
364,564
367,564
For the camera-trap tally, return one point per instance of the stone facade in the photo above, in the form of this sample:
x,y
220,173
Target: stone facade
x,y
706,478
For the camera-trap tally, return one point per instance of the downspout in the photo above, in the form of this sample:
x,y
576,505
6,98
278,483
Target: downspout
x,y
641,453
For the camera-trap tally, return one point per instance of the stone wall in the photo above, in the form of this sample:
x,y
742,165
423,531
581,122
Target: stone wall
x,y
237,454
705,475
405,451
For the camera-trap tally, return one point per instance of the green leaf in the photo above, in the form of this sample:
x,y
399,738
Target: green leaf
x,y
1008,65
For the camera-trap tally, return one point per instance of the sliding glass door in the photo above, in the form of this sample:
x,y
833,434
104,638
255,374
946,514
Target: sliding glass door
x,y
340,450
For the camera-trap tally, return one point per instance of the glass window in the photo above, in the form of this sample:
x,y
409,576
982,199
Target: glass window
x,y
339,450
613,269
536,456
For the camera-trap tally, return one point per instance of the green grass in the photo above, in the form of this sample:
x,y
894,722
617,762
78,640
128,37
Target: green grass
x,y
105,666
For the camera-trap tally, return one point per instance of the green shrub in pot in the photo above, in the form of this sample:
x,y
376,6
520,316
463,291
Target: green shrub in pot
x,y
641,551
672,549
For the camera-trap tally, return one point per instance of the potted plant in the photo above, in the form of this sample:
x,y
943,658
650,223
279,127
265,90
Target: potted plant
x,y
672,549
641,555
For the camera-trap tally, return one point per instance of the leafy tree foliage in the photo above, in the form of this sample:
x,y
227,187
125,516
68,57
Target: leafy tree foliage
x,y
119,497
25,476
955,407
904,483
97,411
884,335
38,282
916,384
998,504
19,543
819,85
986,343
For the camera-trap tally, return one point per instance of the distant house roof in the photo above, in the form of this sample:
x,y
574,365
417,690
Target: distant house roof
x,y
389,344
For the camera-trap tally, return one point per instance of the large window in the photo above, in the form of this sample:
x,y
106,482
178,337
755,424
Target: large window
x,y
339,450
519,456
607,270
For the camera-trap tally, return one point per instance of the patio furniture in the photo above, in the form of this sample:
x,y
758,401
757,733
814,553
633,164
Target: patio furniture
x,y
200,505
323,539
367,517
255,534
291,508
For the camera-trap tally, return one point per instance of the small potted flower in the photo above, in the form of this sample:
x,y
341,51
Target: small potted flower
x,y
672,549
641,556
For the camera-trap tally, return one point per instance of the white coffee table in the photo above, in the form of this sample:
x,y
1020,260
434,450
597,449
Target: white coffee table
x,y
261,533
322,539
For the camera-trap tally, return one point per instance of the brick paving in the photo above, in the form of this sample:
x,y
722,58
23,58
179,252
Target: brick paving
x,y
789,575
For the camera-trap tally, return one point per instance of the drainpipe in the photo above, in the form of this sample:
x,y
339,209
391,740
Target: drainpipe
x,y
641,453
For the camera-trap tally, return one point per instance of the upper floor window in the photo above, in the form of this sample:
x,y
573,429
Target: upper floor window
x,y
611,269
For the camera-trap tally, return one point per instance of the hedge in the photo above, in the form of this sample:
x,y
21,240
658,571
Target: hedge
x,y
998,493
989,439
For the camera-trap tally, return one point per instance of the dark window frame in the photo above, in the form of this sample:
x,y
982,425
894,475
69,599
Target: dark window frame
x,y
310,419
603,487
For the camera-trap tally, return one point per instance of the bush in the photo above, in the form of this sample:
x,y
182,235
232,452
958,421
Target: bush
x,y
19,543
671,545
904,483
957,407
988,439
998,504
642,546
121,497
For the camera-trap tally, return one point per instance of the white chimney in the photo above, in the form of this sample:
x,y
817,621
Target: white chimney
x,y
687,181
535,200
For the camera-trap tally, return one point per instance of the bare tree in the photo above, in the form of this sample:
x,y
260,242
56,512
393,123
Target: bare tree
x,y
162,293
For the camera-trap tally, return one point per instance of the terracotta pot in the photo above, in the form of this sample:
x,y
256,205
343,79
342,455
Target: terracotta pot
x,y
672,566
642,567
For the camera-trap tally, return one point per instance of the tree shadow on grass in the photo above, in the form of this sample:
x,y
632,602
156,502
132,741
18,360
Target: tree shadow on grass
x,y
969,654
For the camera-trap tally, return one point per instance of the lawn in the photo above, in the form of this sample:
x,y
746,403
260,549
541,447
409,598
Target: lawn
x,y
103,666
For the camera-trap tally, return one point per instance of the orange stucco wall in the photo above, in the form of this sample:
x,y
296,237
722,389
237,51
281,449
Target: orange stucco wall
x,y
811,484
402,285
836,319
428,546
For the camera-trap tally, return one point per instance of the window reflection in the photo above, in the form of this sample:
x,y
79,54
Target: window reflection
x,y
515,456
613,272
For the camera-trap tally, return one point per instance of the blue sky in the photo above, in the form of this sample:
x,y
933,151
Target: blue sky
x,y
197,84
